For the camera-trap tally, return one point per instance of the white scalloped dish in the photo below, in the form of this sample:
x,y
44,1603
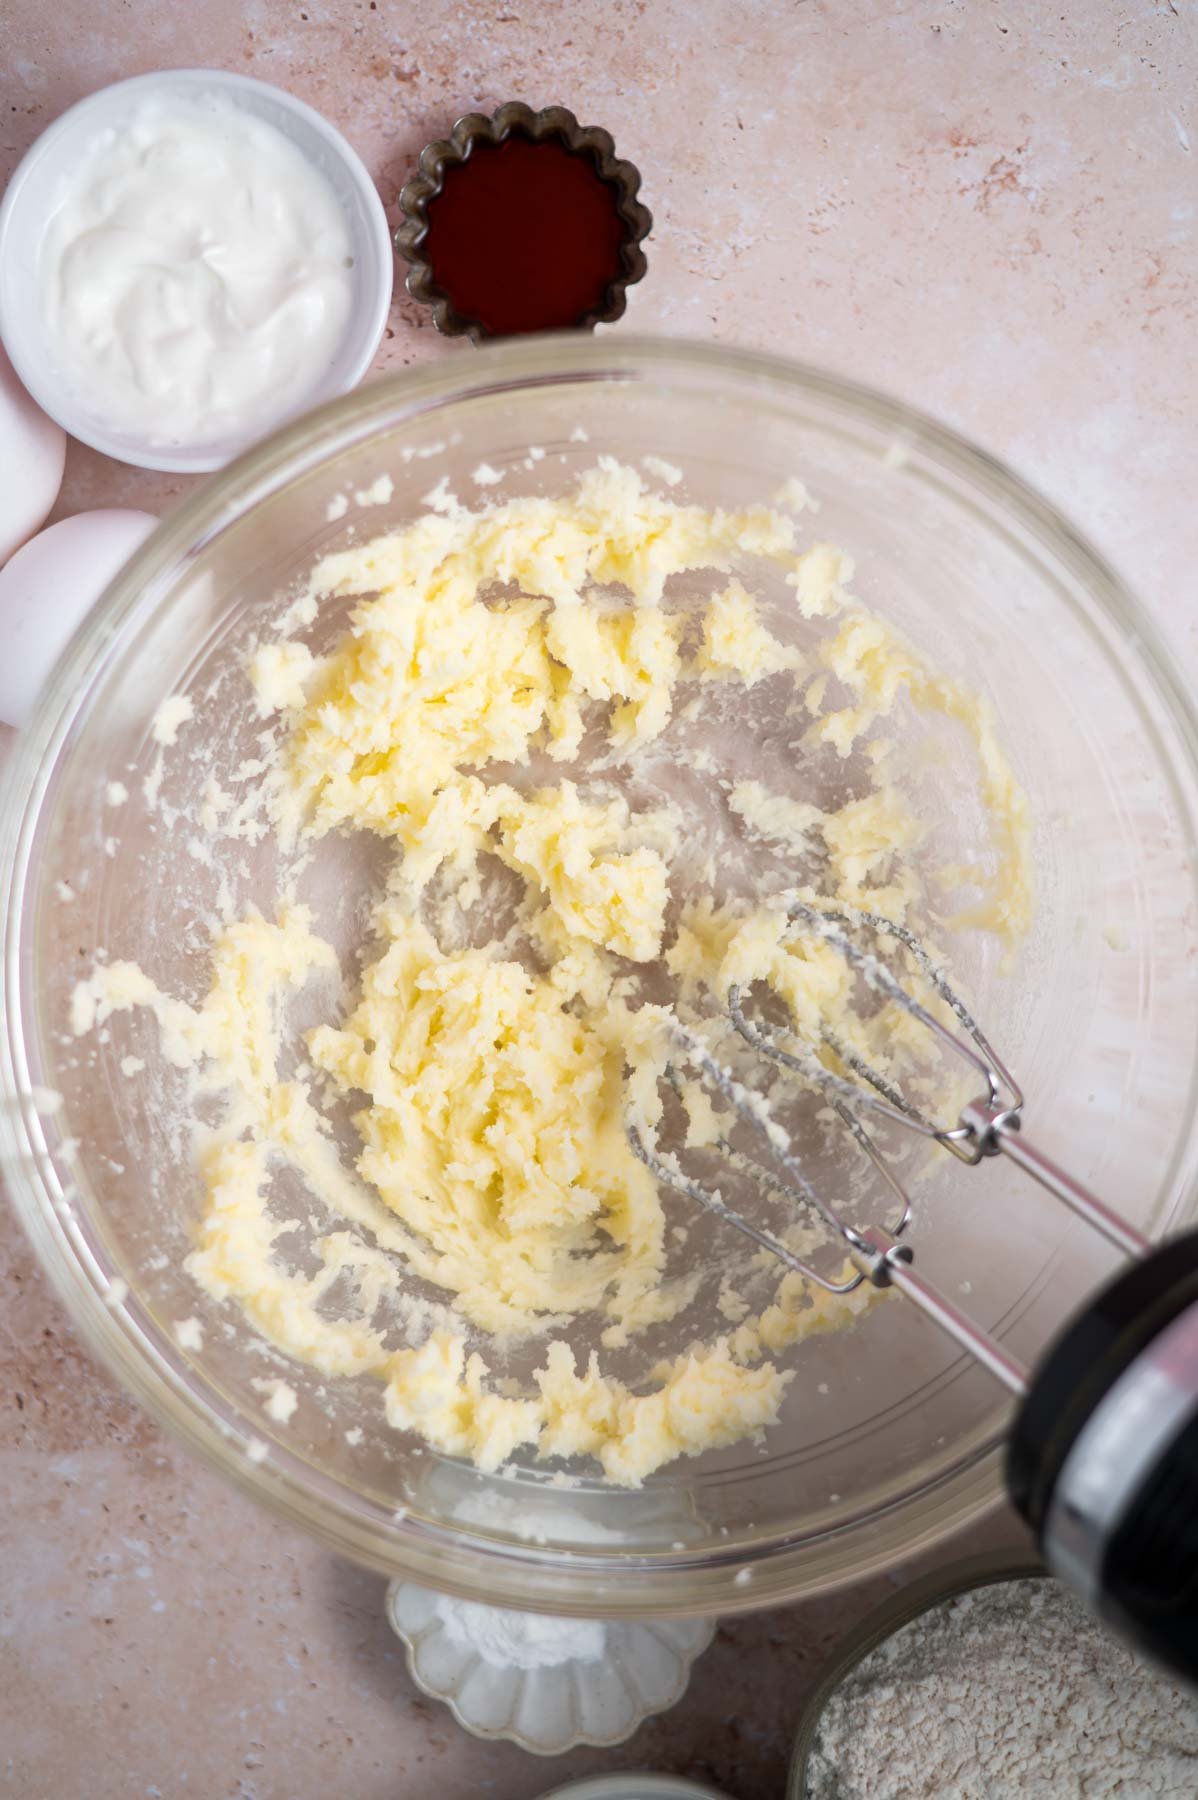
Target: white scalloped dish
x,y
545,1684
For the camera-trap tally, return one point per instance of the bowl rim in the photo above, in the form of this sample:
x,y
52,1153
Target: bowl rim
x,y
369,309
504,1573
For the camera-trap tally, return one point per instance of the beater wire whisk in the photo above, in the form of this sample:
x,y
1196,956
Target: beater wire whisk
x,y
987,1126
1102,1457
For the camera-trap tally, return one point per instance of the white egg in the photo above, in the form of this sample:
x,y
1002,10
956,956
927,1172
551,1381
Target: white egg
x,y
48,587
32,451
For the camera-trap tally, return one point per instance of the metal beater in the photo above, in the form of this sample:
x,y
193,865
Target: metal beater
x,y
1102,1459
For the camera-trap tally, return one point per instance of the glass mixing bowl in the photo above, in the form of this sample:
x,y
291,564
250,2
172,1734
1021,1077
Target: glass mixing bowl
x,y
889,1438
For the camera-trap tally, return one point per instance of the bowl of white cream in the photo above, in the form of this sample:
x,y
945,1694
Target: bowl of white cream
x,y
187,259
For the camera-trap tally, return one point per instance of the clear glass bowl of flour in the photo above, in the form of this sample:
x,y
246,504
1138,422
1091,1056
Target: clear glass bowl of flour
x,y
888,1439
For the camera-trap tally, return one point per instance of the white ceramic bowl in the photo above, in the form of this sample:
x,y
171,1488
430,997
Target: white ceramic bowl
x,y
29,199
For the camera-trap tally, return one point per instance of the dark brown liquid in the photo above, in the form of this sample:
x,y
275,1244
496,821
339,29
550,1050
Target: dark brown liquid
x,y
524,236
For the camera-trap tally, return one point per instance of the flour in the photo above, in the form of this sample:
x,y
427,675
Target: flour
x,y
1012,1692
520,1640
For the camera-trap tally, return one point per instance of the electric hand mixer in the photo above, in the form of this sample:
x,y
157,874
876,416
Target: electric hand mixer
x,y
1102,1460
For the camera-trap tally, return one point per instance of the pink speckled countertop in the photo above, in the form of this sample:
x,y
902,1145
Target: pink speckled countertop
x,y
986,208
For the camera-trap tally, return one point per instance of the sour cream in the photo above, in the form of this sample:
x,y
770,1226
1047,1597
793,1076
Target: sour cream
x,y
196,271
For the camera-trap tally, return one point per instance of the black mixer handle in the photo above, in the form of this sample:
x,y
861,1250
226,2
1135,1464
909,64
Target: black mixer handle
x,y
1103,1455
